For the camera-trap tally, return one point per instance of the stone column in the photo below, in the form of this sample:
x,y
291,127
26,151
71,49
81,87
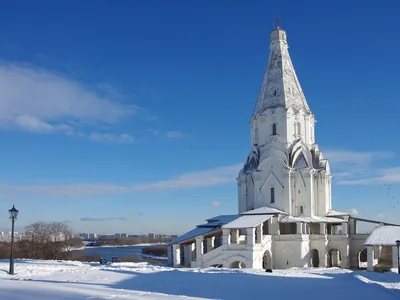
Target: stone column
x,y
352,226
250,236
274,226
259,233
235,236
287,192
170,262
299,228
199,250
370,258
226,236
395,257
186,255
176,255
193,251
322,228
257,190
210,243
344,228
241,183
323,259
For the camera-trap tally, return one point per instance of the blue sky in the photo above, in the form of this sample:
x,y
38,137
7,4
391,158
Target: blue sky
x,y
133,117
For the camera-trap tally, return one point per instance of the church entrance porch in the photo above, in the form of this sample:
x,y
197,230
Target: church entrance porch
x,y
334,258
267,261
362,259
314,258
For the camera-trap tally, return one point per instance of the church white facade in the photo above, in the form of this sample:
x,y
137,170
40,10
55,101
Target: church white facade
x,y
285,217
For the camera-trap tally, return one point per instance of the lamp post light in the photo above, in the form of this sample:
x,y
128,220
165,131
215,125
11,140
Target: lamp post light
x,y
398,256
13,216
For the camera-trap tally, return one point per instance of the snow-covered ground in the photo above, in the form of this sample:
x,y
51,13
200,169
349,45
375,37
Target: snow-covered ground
x,y
68,280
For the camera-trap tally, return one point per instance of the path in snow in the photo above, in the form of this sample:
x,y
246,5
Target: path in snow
x,y
44,280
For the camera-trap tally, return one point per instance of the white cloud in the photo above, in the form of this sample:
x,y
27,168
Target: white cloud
x,y
354,212
356,168
387,175
215,204
109,137
41,101
211,177
174,135
356,157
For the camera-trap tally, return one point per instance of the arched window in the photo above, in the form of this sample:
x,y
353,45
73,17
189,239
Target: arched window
x,y
302,209
272,195
256,135
274,129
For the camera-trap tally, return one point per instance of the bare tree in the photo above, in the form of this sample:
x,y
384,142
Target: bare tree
x,y
50,240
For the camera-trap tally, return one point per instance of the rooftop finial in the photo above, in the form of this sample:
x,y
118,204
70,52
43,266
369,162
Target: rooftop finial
x,y
277,21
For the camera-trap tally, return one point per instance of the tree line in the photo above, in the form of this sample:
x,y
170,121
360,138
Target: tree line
x,y
54,240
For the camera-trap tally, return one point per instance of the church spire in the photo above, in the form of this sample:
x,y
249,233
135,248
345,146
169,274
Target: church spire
x,y
280,87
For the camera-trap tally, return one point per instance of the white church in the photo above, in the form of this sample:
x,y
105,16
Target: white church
x,y
285,217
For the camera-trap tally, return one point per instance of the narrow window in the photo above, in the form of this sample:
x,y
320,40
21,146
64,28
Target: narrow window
x,y
272,195
301,209
256,135
274,129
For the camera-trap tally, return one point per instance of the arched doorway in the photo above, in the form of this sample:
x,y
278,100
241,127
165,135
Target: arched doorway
x,y
334,258
238,265
267,262
314,258
362,258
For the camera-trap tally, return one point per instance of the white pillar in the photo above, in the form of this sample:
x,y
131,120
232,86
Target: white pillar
x,y
299,228
235,236
226,236
322,228
275,226
176,254
192,251
344,228
210,243
257,186
370,258
259,229
199,250
250,236
395,257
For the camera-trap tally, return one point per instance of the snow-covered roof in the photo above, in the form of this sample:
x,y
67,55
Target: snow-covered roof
x,y
192,234
222,219
213,224
334,213
265,210
291,219
327,220
249,221
383,236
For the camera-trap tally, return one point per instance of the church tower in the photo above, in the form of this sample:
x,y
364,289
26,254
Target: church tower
x,y
285,169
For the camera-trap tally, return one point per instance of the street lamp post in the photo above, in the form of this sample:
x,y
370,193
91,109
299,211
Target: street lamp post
x,y
398,256
13,216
